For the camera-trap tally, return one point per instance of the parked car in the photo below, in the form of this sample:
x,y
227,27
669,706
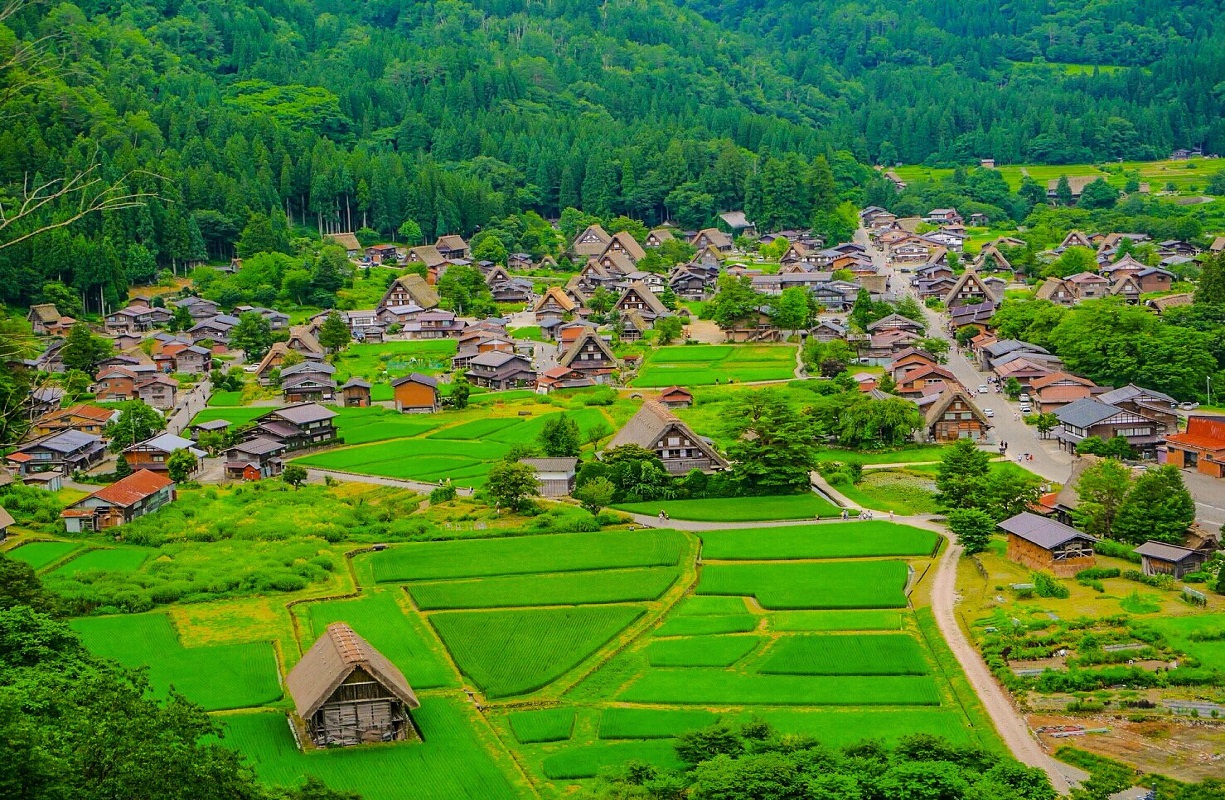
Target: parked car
x,y
1026,408
989,413
983,389
1189,406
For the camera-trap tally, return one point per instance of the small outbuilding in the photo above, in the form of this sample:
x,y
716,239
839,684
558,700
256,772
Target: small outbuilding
x,y
1159,558
348,693
554,476
676,397
356,393
416,394
1045,544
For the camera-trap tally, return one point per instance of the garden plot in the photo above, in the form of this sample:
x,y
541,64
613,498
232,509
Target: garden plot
x,y
566,588
404,640
844,584
703,365
836,540
469,558
452,763
514,652
883,654
217,677
708,687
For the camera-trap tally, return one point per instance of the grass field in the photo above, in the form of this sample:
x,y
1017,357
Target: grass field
x,y
586,762
848,584
544,725
700,651
1179,630
739,509
701,365
566,588
379,363
900,491
124,559
225,399
404,640
519,555
830,540
1183,174
41,554
236,415
513,652
720,687
218,677
906,455
870,654
451,763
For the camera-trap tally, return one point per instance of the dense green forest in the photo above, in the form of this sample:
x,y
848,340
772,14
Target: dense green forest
x,y
320,115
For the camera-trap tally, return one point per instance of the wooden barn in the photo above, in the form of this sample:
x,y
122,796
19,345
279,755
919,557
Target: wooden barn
x,y
1044,544
348,693
1159,558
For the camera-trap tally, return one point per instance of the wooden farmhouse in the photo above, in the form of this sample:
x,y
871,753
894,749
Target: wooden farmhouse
x,y
1045,544
347,693
355,393
590,355
554,476
657,429
1201,447
124,500
415,394
255,459
955,416
676,397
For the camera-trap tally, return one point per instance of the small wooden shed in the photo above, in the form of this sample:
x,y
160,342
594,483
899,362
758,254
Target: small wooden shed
x,y
348,693
1159,558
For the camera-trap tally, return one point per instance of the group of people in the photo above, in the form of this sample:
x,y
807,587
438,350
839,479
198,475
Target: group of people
x,y
863,514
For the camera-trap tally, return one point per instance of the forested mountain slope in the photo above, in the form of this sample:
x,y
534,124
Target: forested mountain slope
x,y
340,115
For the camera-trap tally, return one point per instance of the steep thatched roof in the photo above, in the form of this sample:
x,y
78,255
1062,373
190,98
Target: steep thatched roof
x,y
332,659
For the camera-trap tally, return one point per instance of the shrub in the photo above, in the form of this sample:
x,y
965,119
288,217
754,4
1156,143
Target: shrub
x,y
442,494
1098,573
1107,547
1156,581
1046,586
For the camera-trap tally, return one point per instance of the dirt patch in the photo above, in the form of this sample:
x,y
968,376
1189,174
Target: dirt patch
x,y
1186,750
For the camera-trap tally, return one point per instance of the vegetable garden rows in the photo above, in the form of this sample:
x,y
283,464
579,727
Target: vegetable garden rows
x,y
585,650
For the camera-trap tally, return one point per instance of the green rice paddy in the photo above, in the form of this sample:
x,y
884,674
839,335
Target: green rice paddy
x,y
720,687
739,509
544,725
217,677
513,652
42,554
845,584
701,365
565,588
518,555
700,651
586,762
831,540
104,560
883,654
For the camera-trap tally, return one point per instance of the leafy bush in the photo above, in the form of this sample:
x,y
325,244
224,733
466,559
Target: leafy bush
x,y
1113,549
1046,586
1098,573
1156,581
442,494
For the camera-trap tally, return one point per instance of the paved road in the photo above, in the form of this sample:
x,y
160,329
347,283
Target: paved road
x,y
191,404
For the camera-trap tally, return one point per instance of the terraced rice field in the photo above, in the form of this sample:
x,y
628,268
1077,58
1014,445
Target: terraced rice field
x,y
565,588
700,651
586,762
739,509
406,641
217,677
104,560
831,540
721,687
652,723
41,554
883,654
452,763
513,652
519,555
703,365
844,584
544,725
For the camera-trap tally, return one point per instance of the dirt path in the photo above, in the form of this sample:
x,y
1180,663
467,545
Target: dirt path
x,y
1008,721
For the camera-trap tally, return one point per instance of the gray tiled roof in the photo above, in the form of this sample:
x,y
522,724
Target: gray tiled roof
x,y
1085,413
1164,552
1046,533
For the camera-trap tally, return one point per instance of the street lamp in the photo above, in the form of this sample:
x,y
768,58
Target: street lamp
x,y
1209,379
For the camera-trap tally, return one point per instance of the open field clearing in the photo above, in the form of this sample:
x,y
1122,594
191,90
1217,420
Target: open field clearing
x,y
701,365
849,540
513,652
218,677
451,764
120,559
586,762
872,654
41,554
700,651
545,725
720,687
406,641
518,555
845,584
567,588
739,509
